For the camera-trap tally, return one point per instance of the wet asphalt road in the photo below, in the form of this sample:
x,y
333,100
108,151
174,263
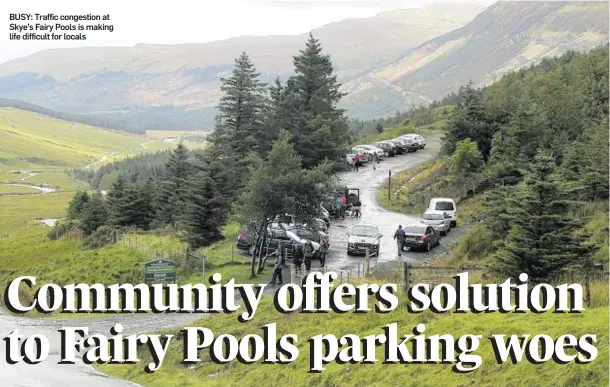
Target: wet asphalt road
x,y
50,374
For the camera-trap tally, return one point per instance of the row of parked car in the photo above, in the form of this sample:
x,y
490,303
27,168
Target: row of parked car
x,y
406,143
437,221
285,231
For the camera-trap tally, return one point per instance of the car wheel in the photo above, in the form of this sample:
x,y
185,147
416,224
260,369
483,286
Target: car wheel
x,y
349,253
443,233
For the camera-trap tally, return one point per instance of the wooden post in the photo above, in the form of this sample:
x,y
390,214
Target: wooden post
x,y
389,186
231,252
406,276
367,260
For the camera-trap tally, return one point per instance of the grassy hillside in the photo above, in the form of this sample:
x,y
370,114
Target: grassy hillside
x,y
506,36
183,80
31,140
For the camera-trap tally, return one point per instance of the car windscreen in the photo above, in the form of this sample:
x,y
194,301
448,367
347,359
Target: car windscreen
x,y
415,230
434,217
364,231
444,206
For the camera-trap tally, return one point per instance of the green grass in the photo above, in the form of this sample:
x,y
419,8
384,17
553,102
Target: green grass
x,y
10,190
30,140
208,374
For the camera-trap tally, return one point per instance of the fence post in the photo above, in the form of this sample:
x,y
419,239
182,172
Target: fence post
x,y
367,260
389,186
231,253
406,276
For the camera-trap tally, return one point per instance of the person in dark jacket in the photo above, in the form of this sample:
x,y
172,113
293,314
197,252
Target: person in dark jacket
x,y
279,266
356,162
400,237
309,251
298,258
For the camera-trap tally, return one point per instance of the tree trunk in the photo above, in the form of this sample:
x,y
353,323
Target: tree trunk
x,y
260,255
253,262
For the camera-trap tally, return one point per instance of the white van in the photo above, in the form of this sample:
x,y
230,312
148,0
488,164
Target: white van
x,y
446,205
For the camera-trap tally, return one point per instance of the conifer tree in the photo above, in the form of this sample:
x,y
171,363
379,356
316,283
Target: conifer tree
x,y
95,214
205,212
78,204
542,239
170,201
319,128
239,127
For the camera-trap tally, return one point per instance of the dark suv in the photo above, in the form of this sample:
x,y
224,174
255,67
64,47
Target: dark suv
x,y
388,147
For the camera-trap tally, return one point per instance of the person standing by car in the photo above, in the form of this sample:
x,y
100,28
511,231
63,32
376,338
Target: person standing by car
x,y
356,209
279,265
356,162
343,205
375,160
298,259
339,206
400,236
309,250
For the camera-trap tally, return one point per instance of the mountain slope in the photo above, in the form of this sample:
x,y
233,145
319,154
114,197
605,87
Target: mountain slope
x,y
31,140
504,37
187,75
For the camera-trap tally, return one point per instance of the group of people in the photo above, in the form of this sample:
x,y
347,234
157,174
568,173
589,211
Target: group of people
x,y
356,162
302,254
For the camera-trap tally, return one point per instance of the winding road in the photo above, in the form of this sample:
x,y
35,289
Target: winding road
x,y
49,373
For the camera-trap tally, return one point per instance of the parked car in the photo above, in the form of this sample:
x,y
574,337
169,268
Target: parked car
x,y
439,220
412,137
370,151
421,236
421,141
362,154
361,237
446,205
388,147
400,147
408,144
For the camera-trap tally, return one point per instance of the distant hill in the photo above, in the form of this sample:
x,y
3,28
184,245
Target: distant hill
x,y
504,37
127,81
386,63
31,140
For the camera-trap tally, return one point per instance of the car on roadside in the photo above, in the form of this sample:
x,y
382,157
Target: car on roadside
x,y
389,148
446,205
400,147
370,151
408,144
440,220
421,236
361,237
421,141
412,137
362,154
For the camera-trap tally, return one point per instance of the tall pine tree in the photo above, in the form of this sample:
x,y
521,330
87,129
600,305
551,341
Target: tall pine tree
x,y
319,129
170,200
542,239
205,212
239,126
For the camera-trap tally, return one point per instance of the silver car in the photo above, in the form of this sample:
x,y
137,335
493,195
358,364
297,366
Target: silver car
x,y
440,220
361,237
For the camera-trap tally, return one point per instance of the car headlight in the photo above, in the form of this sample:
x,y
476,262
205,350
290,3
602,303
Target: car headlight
x,y
350,244
374,247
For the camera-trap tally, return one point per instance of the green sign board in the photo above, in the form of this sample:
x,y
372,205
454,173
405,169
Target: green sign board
x,y
160,271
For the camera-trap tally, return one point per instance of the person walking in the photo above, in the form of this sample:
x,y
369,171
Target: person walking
x,y
356,209
343,205
356,162
400,236
375,160
298,259
279,266
339,206
309,250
